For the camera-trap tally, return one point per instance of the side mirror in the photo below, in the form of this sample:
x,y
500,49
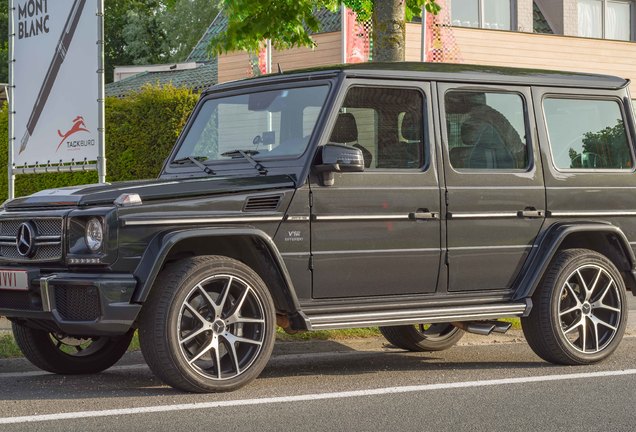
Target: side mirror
x,y
338,158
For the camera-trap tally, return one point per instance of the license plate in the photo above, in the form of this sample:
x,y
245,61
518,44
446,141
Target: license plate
x,y
17,280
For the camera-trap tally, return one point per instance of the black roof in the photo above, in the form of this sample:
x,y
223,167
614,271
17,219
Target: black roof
x,y
456,73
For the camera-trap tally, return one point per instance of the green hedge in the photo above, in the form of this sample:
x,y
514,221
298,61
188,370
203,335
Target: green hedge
x,y
140,131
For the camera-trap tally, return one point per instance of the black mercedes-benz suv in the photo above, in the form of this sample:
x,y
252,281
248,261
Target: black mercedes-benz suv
x,y
425,199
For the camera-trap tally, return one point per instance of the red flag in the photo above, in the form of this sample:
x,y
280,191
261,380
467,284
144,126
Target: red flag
x,y
357,39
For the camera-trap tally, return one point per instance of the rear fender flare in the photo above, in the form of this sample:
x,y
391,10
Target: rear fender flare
x,y
552,240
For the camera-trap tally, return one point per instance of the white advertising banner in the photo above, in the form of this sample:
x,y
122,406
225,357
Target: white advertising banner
x,y
56,80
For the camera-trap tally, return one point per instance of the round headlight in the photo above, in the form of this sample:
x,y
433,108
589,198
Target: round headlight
x,y
94,234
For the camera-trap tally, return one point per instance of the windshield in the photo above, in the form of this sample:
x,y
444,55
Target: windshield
x,y
272,123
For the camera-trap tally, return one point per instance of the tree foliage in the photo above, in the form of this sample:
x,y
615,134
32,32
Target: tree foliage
x,y
4,42
288,23
185,21
153,31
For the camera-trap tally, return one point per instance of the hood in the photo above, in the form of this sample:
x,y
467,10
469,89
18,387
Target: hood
x,y
148,190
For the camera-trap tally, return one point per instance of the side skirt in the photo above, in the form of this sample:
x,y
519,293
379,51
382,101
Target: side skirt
x,y
415,316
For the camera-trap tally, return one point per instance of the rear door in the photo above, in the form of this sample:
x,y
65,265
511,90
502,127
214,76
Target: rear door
x,y
494,184
377,232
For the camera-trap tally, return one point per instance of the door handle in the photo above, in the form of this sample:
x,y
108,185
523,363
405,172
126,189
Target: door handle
x,y
531,213
423,214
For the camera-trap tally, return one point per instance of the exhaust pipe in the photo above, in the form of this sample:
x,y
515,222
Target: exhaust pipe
x,y
500,326
480,328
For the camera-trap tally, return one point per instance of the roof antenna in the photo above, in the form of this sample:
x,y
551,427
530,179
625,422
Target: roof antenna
x,y
280,70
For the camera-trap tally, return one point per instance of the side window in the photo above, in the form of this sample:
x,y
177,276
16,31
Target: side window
x,y
385,123
486,130
587,134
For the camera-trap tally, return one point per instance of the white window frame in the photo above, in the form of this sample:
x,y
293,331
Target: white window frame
x,y
481,16
632,20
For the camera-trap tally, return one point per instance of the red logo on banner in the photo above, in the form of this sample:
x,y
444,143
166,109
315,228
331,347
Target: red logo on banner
x,y
78,126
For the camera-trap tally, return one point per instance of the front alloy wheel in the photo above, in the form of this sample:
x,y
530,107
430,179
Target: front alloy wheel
x,y
208,326
221,327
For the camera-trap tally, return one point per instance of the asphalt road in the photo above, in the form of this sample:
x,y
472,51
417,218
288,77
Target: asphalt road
x,y
480,385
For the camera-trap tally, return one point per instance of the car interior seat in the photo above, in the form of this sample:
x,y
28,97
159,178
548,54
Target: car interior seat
x,y
346,132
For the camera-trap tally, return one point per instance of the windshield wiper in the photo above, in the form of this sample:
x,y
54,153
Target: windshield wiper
x,y
247,155
197,160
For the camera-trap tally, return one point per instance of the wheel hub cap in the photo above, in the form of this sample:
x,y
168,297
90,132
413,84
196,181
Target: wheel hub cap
x,y
586,308
218,327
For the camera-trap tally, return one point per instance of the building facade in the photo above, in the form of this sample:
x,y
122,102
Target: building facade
x,y
595,36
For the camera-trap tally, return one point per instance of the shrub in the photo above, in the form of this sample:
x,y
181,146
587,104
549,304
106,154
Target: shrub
x,y
140,131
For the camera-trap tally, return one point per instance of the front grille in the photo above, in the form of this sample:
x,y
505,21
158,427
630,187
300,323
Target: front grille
x,y
77,303
48,239
20,300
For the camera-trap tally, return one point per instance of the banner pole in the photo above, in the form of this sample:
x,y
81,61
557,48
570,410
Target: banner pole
x,y
344,32
11,107
101,128
424,35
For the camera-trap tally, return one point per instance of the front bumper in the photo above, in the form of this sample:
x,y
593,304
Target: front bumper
x,y
77,304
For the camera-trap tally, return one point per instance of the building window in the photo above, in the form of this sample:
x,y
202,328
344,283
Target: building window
x,y
490,14
606,19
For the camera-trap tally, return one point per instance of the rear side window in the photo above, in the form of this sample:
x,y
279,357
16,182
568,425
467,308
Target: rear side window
x,y
587,134
486,130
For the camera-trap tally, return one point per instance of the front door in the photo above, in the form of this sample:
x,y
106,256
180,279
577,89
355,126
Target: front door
x,y
377,232
494,184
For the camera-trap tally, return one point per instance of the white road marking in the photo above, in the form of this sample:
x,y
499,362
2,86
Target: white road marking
x,y
38,373
312,397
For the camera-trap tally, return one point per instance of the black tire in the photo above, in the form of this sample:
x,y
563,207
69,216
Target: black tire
x,y
580,309
208,326
423,337
65,355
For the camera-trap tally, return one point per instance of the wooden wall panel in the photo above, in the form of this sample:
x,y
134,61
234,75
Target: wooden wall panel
x,y
233,66
529,50
476,46
413,42
328,51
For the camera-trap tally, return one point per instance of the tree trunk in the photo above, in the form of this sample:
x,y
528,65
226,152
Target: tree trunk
x,y
389,30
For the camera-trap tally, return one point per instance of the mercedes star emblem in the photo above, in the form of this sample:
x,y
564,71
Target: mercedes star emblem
x,y
25,242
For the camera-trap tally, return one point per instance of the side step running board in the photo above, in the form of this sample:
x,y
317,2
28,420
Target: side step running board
x,y
416,316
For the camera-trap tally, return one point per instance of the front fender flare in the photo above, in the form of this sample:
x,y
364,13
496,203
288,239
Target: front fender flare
x,y
159,248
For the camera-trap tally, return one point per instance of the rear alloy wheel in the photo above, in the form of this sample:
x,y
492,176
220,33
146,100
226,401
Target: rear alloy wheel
x,y
423,337
209,326
62,354
580,309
